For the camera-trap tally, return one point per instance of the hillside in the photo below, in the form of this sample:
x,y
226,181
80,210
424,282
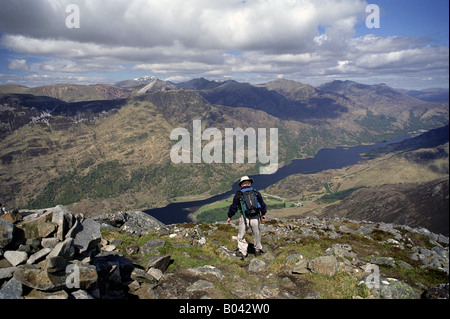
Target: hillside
x,y
403,183
417,205
70,92
108,155
134,256
123,155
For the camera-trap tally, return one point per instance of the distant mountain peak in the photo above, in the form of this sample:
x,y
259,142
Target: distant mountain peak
x,y
146,78
137,82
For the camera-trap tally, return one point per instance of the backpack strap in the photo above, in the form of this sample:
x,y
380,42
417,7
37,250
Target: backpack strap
x,y
241,202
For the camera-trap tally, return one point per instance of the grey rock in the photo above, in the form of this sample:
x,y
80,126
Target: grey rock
x,y
63,219
132,229
333,235
33,277
313,295
132,249
31,246
341,250
49,242
366,230
46,228
116,219
34,214
345,229
267,290
65,249
87,235
71,232
439,292
6,233
152,245
293,259
325,265
32,224
12,290
81,294
200,285
39,255
141,276
225,253
395,289
389,288
53,264
256,265
143,220
389,228
159,262
6,273
388,261
308,232
156,273
15,257
442,239
36,294
83,274
206,270
405,264
301,267
135,223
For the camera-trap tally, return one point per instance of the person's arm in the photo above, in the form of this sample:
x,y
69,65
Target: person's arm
x,y
263,206
233,207
261,202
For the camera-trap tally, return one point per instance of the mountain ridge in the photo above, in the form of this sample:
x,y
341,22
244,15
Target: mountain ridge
x,y
82,141
124,88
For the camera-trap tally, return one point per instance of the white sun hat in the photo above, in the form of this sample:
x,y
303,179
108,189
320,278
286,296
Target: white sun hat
x,y
244,179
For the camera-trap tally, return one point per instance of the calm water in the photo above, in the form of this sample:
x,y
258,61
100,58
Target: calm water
x,y
327,158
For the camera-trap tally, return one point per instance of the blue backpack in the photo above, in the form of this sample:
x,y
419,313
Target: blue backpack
x,y
250,206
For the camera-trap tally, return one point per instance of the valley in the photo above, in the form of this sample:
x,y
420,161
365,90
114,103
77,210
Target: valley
x,y
405,187
111,152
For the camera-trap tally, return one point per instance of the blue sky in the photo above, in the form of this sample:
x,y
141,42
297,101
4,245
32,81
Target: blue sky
x,y
311,41
413,18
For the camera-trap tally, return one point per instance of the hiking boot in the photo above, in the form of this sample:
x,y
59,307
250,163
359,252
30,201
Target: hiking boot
x,y
258,252
241,255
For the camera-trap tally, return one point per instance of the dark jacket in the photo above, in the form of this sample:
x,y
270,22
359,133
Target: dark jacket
x,y
236,205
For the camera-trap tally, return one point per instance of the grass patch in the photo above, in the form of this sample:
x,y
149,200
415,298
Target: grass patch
x,y
186,253
340,286
217,211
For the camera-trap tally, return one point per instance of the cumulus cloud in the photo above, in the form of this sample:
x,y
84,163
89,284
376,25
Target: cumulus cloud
x,y
20,64
251,40
205,24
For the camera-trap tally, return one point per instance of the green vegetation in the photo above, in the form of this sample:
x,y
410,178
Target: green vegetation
x,y
343,285
103,181
218,211
376,123
125,155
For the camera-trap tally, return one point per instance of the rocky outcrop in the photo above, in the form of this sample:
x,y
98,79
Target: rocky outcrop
x,y
53,254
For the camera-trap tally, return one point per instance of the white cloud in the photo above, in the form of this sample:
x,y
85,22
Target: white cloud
x,y
20,64
202,24
179,39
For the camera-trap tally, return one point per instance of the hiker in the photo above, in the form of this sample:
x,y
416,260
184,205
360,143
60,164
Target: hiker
x,y
253,209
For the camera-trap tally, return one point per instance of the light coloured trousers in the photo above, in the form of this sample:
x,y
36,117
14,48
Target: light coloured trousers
x,y
244,224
